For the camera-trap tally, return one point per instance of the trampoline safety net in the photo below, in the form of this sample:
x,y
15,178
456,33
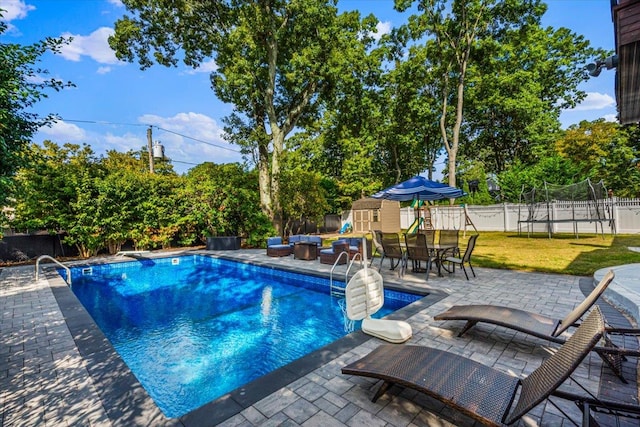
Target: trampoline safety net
x,y
574,203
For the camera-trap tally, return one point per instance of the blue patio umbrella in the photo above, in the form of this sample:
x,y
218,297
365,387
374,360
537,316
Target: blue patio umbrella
x,y
419,188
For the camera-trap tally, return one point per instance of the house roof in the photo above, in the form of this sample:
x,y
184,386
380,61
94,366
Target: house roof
x,y
626,24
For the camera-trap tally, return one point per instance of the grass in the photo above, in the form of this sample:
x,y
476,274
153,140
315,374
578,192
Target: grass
x,y
563,253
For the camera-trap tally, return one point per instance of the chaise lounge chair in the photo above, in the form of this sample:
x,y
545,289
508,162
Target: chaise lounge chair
x,y
541,326
482,392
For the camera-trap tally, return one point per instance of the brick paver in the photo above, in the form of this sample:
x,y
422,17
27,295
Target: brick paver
x,y
44,379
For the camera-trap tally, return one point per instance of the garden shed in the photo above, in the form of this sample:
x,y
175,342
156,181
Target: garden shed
x,y
370,214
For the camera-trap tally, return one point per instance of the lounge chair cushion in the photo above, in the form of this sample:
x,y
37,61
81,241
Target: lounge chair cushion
x,y
339,242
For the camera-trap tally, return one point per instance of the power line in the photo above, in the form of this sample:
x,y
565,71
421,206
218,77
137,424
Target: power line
x,y
99,122
196,139
185,163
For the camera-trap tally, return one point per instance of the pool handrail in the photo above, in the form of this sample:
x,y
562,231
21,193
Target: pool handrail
x,y
357,256
41,257
331,287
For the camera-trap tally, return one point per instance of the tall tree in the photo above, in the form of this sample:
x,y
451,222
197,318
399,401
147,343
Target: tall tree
x,y
523,77
276,59
22,84
413,140
453,30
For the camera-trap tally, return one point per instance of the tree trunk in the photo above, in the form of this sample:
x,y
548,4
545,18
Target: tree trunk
x,y
264,180
276,209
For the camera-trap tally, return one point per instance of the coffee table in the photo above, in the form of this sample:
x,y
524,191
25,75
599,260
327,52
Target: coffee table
x,y
307,251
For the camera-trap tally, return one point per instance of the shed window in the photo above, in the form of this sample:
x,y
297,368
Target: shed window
x,y
376,215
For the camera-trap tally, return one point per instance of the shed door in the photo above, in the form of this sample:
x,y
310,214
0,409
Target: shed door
x,y
361,221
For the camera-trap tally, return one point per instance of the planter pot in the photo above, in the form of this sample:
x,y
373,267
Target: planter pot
x,y
224,243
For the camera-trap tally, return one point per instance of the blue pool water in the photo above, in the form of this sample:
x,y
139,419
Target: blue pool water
x,y
193,328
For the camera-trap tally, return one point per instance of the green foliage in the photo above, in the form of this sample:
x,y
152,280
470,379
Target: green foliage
x,y
276,62
520,81
57,193
474,170
552,169
103,203
604,151
22,85
303,197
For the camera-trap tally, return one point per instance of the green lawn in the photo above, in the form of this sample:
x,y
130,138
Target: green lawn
x,y
563,253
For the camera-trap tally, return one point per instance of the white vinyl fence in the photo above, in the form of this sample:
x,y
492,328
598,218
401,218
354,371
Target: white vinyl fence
x,y
621,216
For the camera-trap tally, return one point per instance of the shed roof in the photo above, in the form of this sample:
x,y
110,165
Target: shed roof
x,y
367,203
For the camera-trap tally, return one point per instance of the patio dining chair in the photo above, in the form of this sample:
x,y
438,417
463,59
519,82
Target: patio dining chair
x,y
449,238
430,236
417,251
461,261
376,241
391,249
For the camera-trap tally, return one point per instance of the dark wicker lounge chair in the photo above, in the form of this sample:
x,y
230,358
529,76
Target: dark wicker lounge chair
x,y
479,391
542,326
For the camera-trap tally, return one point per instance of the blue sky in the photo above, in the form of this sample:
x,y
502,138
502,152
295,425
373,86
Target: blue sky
x,y
114,103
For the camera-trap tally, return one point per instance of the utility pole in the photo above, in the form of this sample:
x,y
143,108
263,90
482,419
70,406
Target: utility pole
x,y
150,148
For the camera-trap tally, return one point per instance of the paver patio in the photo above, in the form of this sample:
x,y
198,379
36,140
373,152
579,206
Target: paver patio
x,y
56,368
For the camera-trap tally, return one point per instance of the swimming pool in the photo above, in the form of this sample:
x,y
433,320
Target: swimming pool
x,y
193,328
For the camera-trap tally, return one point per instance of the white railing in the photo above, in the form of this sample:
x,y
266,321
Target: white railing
x,y
41,257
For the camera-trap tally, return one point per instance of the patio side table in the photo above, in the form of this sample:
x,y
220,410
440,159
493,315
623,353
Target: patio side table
x,y
307,251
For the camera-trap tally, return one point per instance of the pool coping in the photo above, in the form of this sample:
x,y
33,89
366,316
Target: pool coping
x,y
127,402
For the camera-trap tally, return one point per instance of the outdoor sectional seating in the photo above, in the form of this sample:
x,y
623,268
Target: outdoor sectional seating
x,y
333,254
276,248
295,238
356,245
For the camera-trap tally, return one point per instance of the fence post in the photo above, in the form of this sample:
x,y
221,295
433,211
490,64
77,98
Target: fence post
x,y
506,217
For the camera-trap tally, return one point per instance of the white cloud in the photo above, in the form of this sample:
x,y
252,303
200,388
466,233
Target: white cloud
x,y
204,141
611,118
382,28
15,9
205,67
125,142
188,138
595,101
61,132
116,3
103,70
95,46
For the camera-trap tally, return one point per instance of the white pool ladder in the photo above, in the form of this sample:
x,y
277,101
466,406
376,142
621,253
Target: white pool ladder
x,y
337,290
41,257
